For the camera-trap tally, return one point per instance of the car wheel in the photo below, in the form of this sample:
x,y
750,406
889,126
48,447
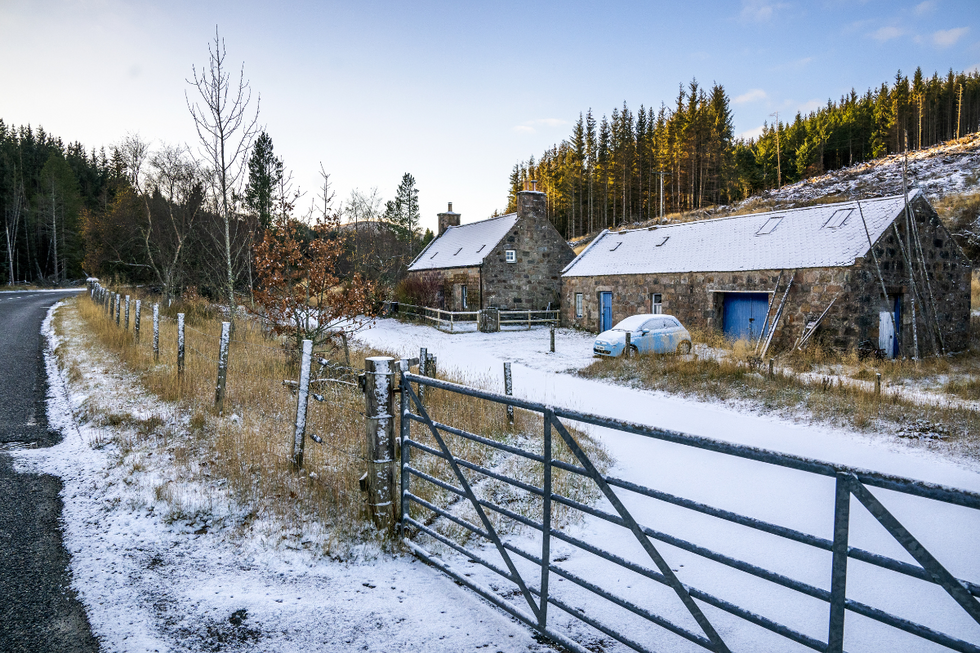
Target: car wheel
x,y
684,348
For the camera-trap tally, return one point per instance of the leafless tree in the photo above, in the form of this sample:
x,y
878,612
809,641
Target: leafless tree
x,y
225,128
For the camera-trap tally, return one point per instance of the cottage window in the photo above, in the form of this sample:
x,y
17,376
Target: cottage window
x,y
511,255
578,305
769,226
656,303
462,296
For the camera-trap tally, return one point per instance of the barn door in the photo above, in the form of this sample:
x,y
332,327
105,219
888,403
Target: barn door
x,y
744,315
605,312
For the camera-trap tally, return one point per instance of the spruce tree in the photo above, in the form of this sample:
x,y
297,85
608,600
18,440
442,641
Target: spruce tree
x,y
402,213
264,176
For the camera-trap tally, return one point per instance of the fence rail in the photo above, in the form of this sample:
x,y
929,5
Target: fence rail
x,y
439,316
444,318
538,594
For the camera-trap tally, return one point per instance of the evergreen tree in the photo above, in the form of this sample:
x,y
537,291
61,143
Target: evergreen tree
x,y
402,213
265,175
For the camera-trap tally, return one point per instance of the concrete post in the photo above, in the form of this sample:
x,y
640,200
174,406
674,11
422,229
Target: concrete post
x,y
180,346
156,332
136,319
127,312
379,424
509,391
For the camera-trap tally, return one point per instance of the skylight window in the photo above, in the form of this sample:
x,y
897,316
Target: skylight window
x,y
458,251
663,241
615,247
481,248
838,219
433,255
769,226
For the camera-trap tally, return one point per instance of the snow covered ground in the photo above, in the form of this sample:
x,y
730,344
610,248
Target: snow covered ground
x,y
149,585
785,497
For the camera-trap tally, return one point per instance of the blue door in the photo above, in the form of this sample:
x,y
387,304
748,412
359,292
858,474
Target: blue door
x,y
605,311
744,315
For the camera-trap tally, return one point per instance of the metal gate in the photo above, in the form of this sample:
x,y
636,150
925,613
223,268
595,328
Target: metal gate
x,y
535,591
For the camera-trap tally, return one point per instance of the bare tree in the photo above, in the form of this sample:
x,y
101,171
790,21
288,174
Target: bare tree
x,y
225,128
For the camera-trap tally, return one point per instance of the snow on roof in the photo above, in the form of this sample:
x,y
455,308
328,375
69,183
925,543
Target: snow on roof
x,y
828,235
465,245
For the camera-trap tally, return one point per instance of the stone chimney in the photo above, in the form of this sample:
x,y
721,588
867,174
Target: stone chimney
x,y
532,204
448,219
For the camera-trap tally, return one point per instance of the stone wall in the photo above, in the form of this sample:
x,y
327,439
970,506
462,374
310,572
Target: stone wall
x,y
533,281
696,298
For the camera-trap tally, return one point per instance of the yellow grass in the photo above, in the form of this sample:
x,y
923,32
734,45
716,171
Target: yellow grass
x,y
250,444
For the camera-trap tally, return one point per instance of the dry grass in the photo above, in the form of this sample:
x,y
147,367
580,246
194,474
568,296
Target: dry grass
x,y
248,447
730,374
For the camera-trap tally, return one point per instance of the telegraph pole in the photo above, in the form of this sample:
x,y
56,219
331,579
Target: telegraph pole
x,y
779,169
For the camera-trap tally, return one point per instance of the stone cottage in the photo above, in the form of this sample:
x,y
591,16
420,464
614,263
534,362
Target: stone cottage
x,y
510,262
732,274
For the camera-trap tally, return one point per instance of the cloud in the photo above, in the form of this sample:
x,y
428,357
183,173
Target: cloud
x,y
975,68
947,37
752,133
529,126
752,96
809,105
887,34
759,11
924,7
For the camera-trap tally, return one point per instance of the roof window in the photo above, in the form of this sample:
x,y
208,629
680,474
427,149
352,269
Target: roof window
x,y
458,251
615,247
769,226
481,248
433,255
663,241
838,219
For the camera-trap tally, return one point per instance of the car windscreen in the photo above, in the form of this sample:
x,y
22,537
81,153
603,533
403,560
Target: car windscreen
x,y
631,323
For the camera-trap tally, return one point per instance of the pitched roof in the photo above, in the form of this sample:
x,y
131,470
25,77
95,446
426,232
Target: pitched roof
x,y
828,235
464,246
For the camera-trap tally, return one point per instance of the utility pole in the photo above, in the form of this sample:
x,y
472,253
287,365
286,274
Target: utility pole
x,y
959,111
779,169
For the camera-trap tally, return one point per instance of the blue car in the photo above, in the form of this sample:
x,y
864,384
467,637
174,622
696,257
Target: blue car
x,y
649,333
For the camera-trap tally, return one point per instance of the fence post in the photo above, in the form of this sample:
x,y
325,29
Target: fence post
x,y
118,308
771,363
127,312
136,319
219,391
878,384
405,427
156,332
302,400
628,347
509,391
423,370
379,423
838,578
180,346
552,338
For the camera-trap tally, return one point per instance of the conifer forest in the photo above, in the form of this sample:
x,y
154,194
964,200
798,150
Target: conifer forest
x,y
152,216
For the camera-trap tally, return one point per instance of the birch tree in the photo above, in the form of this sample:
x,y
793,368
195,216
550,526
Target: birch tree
x,y
225,128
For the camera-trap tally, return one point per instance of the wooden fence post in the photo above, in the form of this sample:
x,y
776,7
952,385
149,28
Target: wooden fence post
x,y
423,370
552,338
127,312
509,391
180,346
136,319
156,332
771,363
629,345
219,391
878,384
302,400
379,423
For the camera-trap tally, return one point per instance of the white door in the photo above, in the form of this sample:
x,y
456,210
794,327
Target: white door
x,y
886,333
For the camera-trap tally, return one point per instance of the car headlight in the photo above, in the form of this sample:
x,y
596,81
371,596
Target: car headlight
x,y
601,343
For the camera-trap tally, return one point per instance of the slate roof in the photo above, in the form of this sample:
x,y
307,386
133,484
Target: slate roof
x,y
464,246
801,238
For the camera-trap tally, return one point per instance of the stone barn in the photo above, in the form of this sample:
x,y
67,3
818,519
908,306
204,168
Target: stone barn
x,y
802,272
511,262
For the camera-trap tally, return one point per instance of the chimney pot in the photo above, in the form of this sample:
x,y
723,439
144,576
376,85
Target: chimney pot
x,y
450,210
534,184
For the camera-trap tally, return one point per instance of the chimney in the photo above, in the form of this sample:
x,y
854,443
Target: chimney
x,y
531,204
448,219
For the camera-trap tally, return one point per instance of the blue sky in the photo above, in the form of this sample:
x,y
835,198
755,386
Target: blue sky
x,y
454,92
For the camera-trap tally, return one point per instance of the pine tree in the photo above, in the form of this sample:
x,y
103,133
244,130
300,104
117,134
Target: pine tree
x,y
265,174
402,213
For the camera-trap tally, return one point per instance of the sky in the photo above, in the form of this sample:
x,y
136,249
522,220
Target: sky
x,y
455,93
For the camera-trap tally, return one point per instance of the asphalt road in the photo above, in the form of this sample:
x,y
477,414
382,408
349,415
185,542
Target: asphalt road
x,y
38,609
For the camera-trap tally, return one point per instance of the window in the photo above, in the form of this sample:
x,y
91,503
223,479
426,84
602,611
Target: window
x,y
663,241
615,247
656,303
838,219
578,305
511,256
481,248
462,296
769,226
458,251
